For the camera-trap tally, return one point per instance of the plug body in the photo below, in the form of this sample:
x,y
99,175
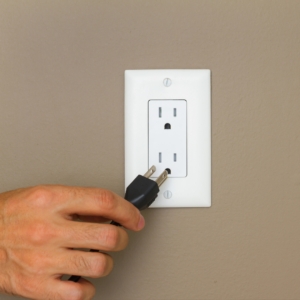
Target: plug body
x,y
142,192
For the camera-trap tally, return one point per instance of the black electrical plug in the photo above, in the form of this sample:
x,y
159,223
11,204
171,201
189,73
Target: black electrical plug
x,y
141,192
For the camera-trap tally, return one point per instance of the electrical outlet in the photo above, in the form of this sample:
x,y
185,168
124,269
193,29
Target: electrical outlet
x,y
168,124
167,137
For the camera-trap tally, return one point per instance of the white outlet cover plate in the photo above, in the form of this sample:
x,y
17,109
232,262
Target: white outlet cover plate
x,y
194,86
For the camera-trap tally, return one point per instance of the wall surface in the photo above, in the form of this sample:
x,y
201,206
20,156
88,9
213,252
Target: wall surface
x,y
61,121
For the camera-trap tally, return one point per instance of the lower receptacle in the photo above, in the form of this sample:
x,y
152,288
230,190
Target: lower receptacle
x,y
167,124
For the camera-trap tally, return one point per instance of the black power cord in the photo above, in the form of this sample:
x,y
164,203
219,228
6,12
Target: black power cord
x,y
141,192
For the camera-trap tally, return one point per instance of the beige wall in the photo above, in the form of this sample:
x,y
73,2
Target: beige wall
x,y
61,121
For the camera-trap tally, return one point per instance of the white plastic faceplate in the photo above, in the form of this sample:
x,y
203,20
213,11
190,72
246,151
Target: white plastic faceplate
x,y
194,86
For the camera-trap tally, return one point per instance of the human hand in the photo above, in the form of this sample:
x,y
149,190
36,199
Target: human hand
x,y
38,231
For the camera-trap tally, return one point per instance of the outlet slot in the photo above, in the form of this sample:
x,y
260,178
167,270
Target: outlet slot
x,y
168,170
175,157
167,126
175,112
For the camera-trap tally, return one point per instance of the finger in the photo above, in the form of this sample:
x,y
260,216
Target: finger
x,y
66,290
94,236
104,203
81,263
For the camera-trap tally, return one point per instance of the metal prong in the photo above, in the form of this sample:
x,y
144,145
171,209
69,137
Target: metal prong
x,y
150,172
162,177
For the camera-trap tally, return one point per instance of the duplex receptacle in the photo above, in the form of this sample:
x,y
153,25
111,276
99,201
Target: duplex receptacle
x,y
167,137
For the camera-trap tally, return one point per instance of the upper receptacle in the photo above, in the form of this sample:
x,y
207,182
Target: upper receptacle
x,y
167,131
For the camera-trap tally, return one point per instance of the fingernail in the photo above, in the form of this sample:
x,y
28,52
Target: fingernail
x,y
141,222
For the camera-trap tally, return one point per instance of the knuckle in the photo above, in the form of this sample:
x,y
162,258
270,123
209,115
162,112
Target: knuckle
x,y
101,266
133,217
76,293
106,200
38,265
110,237
130,218
40,233
41,196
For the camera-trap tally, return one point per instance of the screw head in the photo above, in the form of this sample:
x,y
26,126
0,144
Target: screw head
x,y
167,82
167,194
